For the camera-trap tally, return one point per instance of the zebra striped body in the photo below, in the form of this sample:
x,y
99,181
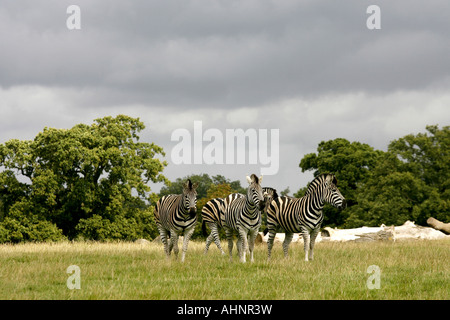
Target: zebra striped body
x,y
242,215
175,215
211,212
304,214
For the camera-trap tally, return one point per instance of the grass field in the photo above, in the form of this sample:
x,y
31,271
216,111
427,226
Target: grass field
x,y
409,270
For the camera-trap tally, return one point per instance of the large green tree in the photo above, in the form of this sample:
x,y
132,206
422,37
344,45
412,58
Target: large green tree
x,y
411,182
89,173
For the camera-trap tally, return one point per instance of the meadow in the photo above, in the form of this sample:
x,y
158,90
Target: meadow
x,y
125,270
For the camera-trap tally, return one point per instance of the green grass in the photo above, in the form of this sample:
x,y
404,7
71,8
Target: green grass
x,y
409,270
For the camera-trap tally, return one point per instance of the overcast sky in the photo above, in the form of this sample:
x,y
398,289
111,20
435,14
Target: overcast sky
x,y
311,69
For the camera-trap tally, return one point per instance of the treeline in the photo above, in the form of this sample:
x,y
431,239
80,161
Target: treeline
x,y
409,181
90,182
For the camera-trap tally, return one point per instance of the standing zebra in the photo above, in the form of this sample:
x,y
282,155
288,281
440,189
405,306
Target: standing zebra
x,y
211,217
175,215
303,214
211,213
243,215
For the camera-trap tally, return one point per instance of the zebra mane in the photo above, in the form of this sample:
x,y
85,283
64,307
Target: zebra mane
x,y
255,178
271,191
318,181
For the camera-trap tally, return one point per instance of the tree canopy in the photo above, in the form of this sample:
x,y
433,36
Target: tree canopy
x,y
68,178
408,182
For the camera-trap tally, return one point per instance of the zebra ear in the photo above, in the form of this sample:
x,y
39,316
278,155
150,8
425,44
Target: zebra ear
x,y
331,179
188,184
260,179
194,186
249,180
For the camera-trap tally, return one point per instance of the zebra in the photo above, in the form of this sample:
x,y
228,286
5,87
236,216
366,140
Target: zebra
x,y
303,214
211,212
243,215
176,214
211,217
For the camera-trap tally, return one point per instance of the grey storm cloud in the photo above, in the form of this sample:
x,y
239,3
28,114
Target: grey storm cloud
x,y
310,68
223,53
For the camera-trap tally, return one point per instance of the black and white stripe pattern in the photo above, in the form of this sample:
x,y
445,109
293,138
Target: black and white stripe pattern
x,y
269,195
303,214
242,215
177,215
211,212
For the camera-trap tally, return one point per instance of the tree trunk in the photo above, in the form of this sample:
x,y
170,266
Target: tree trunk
x,y
438,225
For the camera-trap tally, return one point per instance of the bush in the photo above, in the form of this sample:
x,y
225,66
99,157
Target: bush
x,y
138,225
14,231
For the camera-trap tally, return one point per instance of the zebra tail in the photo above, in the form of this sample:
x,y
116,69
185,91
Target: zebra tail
x,y
265,231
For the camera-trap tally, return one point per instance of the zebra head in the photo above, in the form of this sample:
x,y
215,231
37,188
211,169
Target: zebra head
x,y
255,192
332,195
269,195
190,197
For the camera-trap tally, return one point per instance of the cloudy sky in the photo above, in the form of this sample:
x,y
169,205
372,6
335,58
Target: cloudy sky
x,y
311,69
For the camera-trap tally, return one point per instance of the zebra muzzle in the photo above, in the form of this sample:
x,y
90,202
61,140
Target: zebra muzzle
x,y
262,205
192,211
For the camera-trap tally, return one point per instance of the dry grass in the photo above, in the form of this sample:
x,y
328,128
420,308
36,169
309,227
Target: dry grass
x,y
409,270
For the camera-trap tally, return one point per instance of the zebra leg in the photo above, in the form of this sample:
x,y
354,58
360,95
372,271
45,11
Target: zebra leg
x,y
174,243
244,244
313,236
210,237
187,235
208,242
229,234
270,240
287,241
305,234
251,243
239,244
163,235
170,246
215,234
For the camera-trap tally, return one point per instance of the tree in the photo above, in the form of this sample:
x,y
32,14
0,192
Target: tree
x,y
81,174
411,182
176,187
205,183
